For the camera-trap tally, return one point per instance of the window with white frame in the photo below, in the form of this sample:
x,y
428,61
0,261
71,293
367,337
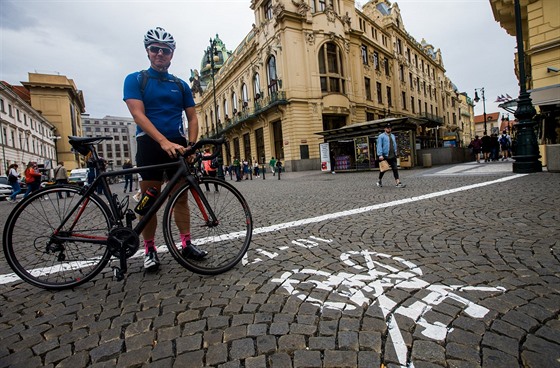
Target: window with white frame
x,y
330,68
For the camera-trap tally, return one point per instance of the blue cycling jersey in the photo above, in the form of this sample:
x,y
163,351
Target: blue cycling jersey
x,y
164,102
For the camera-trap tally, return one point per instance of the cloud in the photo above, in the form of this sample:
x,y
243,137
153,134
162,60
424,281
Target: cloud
x,y
97,43
12,16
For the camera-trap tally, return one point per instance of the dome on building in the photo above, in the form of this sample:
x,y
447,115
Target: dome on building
x,y
222,54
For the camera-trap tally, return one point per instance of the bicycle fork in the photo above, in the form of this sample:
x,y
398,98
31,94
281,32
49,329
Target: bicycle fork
x,y
204,207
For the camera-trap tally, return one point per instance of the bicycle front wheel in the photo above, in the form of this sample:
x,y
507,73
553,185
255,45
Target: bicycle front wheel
x,y
226,240
34,248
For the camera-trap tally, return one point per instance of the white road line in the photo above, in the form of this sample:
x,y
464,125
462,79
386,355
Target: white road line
x,y
331,216
11,277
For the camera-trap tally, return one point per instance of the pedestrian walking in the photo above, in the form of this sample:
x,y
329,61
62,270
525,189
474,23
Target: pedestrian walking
x,y
208,170
495,147
476,147
387,150
256,170
237,168
272,165
127,177
246,169
486,146
61,176
32,178
13,180
505,145
279,168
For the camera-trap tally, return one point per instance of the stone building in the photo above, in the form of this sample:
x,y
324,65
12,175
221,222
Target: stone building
x,y
315,66
60,102
26,135
123,145
493,124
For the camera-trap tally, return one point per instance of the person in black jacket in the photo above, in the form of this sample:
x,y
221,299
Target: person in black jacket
x,y
127,177
486,146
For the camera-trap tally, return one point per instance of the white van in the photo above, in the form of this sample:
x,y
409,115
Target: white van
x,y
78,176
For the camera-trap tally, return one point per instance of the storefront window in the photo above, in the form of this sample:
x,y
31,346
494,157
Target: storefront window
x,y
362,152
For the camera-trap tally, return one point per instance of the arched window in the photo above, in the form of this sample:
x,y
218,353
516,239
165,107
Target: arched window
x,y
330,68
234,103
257,86
272,76
245,95
226,110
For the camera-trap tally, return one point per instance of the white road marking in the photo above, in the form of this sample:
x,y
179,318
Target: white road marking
x,y
10,277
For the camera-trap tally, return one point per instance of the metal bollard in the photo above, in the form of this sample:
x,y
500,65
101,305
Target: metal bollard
x,y
263,172
279,171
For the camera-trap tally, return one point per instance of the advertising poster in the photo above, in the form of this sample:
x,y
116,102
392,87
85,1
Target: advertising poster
x,y
325,157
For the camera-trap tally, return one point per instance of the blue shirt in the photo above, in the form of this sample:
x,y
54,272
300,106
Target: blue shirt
x,y
383,144
164,102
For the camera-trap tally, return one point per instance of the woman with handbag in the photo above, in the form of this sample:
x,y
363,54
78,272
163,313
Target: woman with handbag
x,y
13,179
387,151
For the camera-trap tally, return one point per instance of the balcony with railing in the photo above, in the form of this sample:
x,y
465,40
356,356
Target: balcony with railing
x,y
432,120
248,113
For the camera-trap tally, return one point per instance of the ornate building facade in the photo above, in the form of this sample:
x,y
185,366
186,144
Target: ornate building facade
x,y
26,135
311,66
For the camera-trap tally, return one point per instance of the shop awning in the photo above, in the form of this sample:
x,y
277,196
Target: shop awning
x,y
549,95
370,128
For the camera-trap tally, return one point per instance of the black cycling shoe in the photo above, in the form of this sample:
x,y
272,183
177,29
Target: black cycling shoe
x,y
190,251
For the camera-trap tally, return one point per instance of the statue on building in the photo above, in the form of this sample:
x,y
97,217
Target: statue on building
x,y
195,83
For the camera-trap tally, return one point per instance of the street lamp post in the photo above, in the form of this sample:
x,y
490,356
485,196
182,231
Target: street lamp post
x,y
527,149
476,99
211,58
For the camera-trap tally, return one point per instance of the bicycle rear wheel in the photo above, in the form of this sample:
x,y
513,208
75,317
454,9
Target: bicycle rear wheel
x,y
33,250
226,241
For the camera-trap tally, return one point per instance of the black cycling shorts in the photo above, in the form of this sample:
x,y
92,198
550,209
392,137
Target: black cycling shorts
x,y
149,152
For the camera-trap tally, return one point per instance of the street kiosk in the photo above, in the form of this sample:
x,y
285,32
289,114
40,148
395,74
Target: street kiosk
x,y
353,147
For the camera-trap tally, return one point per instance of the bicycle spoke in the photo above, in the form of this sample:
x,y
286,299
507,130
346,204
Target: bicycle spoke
x,y
35,252
225,240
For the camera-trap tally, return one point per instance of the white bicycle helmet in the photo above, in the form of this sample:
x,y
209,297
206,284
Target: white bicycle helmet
x,y
159,35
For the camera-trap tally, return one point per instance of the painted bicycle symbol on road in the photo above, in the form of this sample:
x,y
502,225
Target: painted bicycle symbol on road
x,y
372,275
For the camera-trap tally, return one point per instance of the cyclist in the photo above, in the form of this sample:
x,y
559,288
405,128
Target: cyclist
x,y
156,101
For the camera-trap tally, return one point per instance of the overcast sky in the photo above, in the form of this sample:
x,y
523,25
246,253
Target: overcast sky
x,y
97,43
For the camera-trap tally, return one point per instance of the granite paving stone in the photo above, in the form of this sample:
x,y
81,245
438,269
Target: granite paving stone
x,y
432,270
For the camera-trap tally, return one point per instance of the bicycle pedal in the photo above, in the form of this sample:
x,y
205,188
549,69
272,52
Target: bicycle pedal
x,y
118,274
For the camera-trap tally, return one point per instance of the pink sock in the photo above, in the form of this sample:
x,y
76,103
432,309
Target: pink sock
x,y
149,244
185,239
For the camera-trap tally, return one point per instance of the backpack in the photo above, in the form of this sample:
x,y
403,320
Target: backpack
x,y
143,80
214,163
504,141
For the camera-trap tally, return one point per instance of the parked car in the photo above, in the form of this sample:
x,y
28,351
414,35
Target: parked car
x,y
5,187
78,176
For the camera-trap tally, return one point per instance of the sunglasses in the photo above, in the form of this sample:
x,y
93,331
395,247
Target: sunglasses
x,y
156,50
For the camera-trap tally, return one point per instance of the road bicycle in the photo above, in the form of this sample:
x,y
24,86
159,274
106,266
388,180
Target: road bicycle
x,y
62,236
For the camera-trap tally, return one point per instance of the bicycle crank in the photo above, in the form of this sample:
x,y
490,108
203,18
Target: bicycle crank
x,y
123,239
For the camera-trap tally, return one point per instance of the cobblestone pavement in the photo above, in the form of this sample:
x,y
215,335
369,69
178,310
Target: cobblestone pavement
x,y
459,269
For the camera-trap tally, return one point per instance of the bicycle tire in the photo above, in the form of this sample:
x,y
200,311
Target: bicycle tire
x,y
226,243
55,266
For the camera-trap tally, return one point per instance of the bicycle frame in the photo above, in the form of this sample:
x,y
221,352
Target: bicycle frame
x,y
116,212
